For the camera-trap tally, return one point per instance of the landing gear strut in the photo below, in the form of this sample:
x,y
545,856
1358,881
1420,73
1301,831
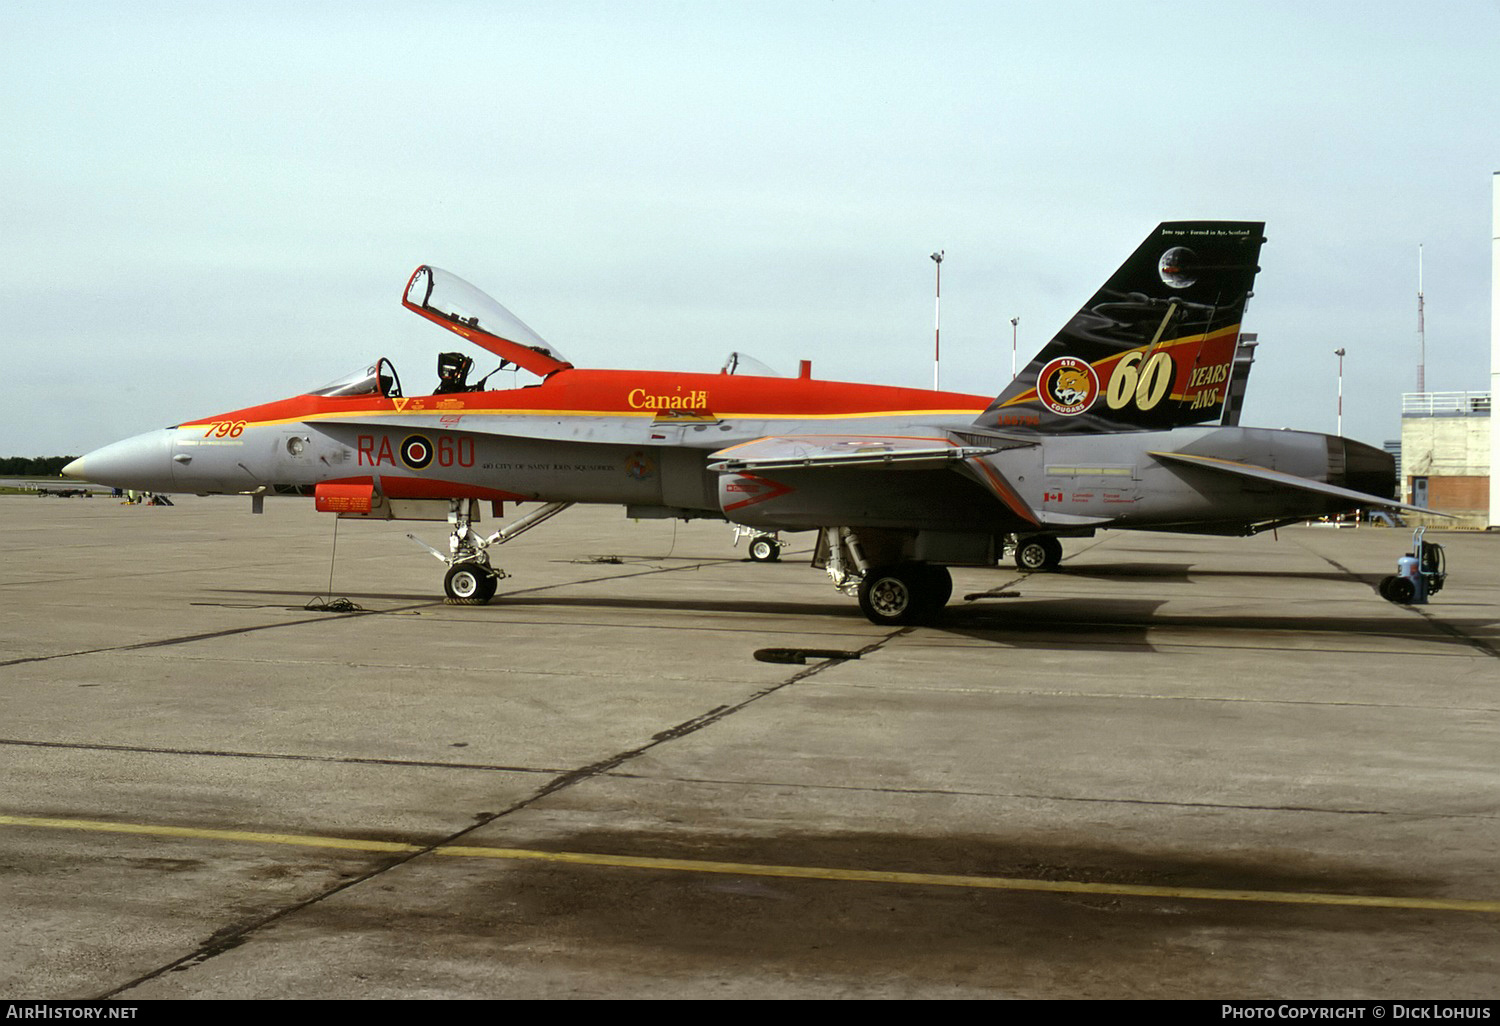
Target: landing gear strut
x,y
890,595
471,580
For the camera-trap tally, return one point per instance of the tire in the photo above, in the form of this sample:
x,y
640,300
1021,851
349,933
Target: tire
x,y
468,585
1400,590
890,596
1038,553
765,549
938,588
907,593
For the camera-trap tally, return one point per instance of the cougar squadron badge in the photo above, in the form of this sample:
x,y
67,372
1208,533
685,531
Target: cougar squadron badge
x,y
1067,386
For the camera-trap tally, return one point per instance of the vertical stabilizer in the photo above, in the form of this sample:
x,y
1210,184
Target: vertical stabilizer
x,y
1154,348
1239,379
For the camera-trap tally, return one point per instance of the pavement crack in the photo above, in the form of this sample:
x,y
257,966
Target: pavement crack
x,y
188,639
215,753
1442,626
686,728
232,936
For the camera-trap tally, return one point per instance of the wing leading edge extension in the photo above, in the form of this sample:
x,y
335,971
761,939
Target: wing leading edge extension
x,y
782,452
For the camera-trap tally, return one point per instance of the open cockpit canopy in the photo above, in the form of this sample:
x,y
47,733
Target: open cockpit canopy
x,y
449,301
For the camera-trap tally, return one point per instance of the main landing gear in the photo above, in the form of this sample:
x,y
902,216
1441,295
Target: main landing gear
x,y
471,580
892,593
905,593
764,548
1038,552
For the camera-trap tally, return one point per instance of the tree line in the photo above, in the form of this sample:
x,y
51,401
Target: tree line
x,y
33,466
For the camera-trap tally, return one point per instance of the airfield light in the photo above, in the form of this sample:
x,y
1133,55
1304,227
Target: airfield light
x,y
1339,352
937,328
1013,322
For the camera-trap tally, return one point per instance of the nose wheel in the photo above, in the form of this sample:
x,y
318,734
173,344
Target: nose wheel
x,y
470,584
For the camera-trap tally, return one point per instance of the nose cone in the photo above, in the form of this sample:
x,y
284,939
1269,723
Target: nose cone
x,y
143,462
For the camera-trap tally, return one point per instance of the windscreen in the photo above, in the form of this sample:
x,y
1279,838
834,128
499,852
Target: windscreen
x,y
744,364
379,378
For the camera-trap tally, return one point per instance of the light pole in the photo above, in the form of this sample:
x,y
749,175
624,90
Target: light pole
x,y
1339,352
937,328
1013,322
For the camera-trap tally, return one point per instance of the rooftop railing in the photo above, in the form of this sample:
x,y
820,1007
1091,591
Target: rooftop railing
x,y
1444,404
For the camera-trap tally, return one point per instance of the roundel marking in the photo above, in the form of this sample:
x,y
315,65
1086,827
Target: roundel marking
x,y
1067,386
416,451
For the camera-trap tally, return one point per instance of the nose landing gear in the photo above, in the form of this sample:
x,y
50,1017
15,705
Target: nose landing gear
x,y
471,580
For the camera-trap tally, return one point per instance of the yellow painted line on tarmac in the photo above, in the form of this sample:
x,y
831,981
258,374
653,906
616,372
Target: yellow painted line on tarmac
x,y
205,833
785,872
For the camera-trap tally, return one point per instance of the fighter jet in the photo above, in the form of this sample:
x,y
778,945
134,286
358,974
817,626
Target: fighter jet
x,y
1119,422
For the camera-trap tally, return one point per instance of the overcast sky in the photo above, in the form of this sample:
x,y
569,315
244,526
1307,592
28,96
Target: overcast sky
x,y
208,205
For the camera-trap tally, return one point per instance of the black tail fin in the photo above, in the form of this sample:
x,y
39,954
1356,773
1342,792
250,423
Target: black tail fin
x,y
1155,346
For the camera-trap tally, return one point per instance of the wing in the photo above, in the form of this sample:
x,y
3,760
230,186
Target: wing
x,y
875,452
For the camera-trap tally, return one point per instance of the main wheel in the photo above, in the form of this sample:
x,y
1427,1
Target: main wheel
x,y
1037,553
765,549
889,596
938,587
469,585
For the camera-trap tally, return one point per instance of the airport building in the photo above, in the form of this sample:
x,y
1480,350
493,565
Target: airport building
x,y
1445,453
1448,439
1493,519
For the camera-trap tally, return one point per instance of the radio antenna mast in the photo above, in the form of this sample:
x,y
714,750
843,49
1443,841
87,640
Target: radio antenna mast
x,y
1421,328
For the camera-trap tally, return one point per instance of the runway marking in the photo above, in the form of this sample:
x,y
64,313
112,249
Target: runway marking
x,y
784,872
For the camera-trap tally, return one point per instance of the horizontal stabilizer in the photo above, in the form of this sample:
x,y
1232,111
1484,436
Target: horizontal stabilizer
x,y
780,452
1276,477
